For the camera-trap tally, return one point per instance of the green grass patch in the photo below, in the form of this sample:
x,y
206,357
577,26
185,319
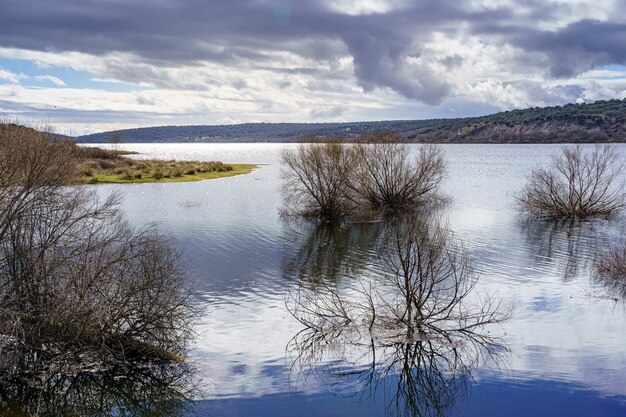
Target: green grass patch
x,y
167,171
102,166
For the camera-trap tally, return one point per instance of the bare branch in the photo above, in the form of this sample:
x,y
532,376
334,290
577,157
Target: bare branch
x,y
577,184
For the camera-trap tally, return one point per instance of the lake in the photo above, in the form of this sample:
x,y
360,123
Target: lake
x,y
563,349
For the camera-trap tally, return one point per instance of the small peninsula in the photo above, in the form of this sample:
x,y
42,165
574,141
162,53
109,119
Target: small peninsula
x,y
101,166
93,165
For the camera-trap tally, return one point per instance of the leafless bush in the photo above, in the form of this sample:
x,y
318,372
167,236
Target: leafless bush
x,y
333,181
76,278
610,267
434,278
577,184
390,180
413,378
33,167
415,332
77,283
317,180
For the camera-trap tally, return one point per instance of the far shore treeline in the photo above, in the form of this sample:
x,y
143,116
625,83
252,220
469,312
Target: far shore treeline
x,y
601,121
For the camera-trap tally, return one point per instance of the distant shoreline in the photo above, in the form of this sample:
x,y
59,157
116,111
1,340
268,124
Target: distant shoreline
x,y
603,121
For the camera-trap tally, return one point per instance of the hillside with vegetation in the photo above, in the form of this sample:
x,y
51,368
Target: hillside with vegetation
x,y
249,132
602,121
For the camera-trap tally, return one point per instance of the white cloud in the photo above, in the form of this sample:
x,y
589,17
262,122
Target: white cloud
x,y
452,65
364,7
10,76
50,78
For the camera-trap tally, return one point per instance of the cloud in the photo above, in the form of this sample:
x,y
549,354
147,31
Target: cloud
x,y
276,60
10,76
378,35
576,48
328,112
54,80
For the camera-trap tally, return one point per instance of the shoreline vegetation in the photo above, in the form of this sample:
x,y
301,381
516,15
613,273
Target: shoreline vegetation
x,y
81,288
103,166
114,178
94,165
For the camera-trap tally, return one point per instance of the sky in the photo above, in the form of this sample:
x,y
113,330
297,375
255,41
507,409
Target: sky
x,y
85,66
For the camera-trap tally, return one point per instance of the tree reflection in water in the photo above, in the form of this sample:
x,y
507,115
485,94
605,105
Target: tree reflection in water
x,y
569,245
326,253
418,378
149,391
579,248
409,323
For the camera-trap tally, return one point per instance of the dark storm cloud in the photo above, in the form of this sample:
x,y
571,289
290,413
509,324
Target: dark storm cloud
x,y
244,33
239,33
578,47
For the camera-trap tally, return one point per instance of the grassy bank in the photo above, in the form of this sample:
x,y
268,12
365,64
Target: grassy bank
x,y
98,166
111,177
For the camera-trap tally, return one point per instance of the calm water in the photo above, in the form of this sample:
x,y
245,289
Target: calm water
x,y
565,344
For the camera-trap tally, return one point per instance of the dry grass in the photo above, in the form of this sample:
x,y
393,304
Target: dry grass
x,y
98,166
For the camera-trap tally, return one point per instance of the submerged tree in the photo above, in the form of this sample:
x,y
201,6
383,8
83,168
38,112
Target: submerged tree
x,y
610,268
318,180
389,179
78,285
576,184
334,181
411,377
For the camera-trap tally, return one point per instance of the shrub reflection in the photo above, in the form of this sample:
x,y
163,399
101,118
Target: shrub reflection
x,y
128,391
408,323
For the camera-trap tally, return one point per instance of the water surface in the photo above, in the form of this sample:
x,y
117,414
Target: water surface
x,y
565,342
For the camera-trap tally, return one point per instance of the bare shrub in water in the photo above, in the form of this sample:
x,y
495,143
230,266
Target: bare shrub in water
x,y
610,267
317,179
332,181
77,284
576,184
392,181
412,377
432,278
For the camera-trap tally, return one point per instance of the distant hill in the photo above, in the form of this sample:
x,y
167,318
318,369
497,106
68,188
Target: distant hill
x,y
26,130
250,132
602,121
